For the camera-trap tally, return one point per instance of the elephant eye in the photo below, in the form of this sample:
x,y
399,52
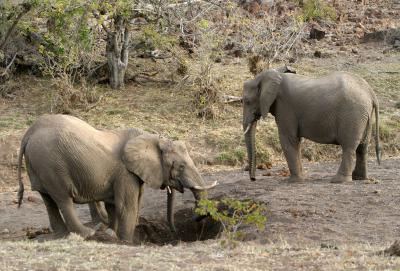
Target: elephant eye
x,y
181,167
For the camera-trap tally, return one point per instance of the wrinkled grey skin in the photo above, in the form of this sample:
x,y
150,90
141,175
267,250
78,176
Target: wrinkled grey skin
x,y
334,109
98,212
68,161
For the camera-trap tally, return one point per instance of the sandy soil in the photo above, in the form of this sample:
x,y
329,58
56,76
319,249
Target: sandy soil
x,y
314,212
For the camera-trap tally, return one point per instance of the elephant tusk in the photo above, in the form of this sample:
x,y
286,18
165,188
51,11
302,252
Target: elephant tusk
x,y
247,129
197,187
169,190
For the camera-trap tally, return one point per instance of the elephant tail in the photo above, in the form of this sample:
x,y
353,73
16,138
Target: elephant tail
x,y
377,146
21,184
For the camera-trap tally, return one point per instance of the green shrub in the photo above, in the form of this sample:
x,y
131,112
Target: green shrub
x,y
232,157
316,9
233,214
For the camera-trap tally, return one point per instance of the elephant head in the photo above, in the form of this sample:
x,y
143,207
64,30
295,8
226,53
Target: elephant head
x,y
259,95
162,163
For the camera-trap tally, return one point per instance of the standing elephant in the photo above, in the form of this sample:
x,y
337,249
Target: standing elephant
x,y
68,161
333,109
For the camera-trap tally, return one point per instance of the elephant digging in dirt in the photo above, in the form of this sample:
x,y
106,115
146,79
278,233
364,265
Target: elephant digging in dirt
x,y
68,161
333,109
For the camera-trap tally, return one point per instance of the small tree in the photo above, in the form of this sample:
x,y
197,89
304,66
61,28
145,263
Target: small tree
x,y
115,16
234,214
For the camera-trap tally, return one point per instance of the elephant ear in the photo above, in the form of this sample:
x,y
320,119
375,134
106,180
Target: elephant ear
x,y
142,156
269,87
286,69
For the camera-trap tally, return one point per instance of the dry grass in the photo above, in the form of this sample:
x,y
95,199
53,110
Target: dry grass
x,y
75,254
168,110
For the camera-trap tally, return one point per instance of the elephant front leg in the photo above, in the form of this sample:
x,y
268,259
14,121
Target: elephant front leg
x,y
291,150
71,218
346,167
127,208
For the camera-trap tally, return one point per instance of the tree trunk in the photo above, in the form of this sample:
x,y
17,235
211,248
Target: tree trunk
x,y
117,51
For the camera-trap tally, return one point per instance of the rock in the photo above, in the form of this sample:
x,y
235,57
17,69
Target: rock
x,y
111,233
343,49
393,250
5,231
238,53
388,35
100,227
318,54
317,33
34,199
396,44
354,51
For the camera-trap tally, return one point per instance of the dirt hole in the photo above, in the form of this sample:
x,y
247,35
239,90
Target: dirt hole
x,y
151,231
188,230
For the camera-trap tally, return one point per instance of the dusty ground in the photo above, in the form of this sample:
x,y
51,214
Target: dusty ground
x,y
334,224
311,213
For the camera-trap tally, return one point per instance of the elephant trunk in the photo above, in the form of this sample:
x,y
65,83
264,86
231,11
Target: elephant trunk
x,y
250,139
170,209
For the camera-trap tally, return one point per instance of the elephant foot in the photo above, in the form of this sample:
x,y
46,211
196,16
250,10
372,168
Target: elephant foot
x,y
86,232
357,176
341,179
294,179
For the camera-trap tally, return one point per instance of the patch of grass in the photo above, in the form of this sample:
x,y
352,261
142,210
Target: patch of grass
x,y
316,9
117,111
233,157
389,129
11,123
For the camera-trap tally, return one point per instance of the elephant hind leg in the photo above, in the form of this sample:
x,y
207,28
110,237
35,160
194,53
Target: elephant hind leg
x,y
56,222
71,219
360,171
346,167
113,223
98,213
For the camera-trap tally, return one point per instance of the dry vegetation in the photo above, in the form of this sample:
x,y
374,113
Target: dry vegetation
x,y
67,255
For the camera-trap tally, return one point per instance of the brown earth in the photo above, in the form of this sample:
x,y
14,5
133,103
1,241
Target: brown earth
x,y
311,213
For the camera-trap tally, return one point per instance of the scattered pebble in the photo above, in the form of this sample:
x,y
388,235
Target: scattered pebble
x,y
5,231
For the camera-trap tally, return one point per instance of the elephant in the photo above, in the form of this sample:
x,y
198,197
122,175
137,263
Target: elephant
x,y
333,109
68,161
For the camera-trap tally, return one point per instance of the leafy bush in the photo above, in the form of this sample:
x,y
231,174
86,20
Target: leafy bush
x,y
316,9
234,214
233,157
